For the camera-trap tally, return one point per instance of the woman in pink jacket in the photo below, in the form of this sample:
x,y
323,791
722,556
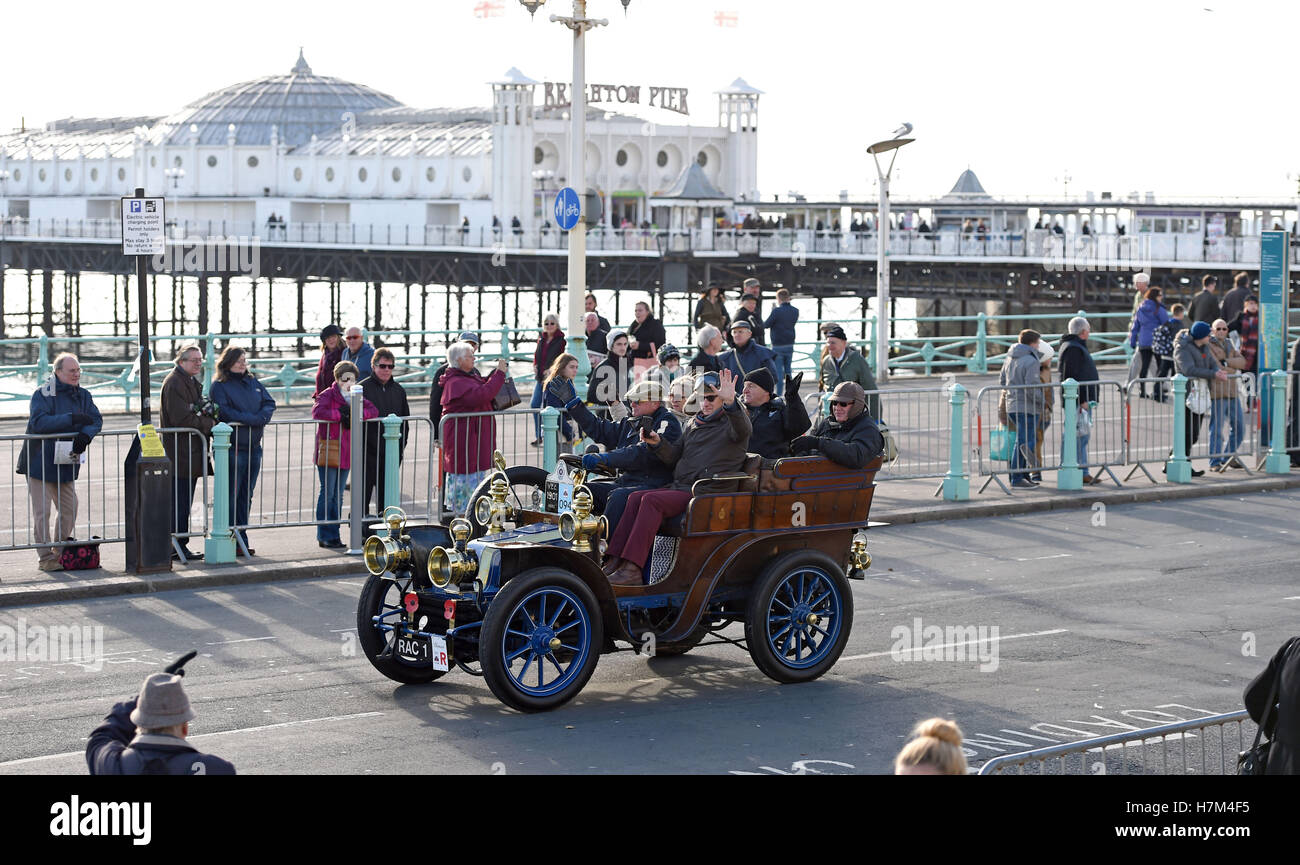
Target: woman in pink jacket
x,y
467,442
334,445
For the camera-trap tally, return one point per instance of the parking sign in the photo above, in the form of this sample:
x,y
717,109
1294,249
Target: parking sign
x,y
144,230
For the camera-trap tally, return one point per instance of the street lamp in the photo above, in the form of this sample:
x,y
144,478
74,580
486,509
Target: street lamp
x,y
882,247
579,23
175,174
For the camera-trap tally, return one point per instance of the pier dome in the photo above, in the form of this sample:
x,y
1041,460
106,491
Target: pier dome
x,y
300,104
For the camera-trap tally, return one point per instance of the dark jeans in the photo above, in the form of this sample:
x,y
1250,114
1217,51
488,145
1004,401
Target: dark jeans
x,y
184,497
1164,367
784,364
329,504
1148,355
245,466
1026,438
1193,429
373,477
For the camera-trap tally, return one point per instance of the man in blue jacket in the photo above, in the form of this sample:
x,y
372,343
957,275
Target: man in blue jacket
x,y
63,408
624,450
360,352
747,356
780,326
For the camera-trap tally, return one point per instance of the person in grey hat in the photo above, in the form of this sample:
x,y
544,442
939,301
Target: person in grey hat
x,y
849,437
435,389
146,734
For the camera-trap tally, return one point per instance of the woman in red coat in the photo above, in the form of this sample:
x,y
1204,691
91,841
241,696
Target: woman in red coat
x,y
467,442
334,445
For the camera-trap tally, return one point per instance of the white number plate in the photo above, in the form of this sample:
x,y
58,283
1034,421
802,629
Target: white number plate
x,y
565,498
439,647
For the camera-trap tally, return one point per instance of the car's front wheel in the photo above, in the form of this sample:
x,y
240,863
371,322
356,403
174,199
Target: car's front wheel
x,y
381,598
540,639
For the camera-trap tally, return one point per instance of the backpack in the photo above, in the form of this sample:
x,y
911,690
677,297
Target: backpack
x,y
1162,340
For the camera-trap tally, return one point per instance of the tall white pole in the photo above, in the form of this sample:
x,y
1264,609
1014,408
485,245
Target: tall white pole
x,y
882,281
577,341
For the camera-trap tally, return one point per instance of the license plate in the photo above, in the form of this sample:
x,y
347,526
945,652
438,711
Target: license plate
x,y
564,498
424,650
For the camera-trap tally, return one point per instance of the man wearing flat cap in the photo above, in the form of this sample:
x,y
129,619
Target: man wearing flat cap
x,y
775,421
849,437
844,363
747,355
747,313
146,735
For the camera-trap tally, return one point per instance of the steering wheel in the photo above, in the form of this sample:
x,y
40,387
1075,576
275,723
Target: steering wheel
x,y
574,461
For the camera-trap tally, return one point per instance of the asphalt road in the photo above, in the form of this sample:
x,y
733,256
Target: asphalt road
x,y
1136,615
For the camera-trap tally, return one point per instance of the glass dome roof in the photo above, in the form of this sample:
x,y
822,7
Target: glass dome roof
x,y
300,104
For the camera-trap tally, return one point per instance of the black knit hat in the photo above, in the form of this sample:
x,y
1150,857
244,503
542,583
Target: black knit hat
x,y
762,378
837,332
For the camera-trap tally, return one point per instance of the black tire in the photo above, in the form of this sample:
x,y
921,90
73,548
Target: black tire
x,y
523,480
777,591
503,644
377,596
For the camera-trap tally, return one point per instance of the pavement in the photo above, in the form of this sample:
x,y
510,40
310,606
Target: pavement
x,y
292,553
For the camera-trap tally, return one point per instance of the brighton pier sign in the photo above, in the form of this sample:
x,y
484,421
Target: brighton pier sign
x,y
668,98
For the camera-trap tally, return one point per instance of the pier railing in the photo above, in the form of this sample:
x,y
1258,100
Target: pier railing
x,y
1068,251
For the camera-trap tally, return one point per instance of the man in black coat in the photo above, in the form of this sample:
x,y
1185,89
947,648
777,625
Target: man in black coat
x,y
388,395
776,422
146,734
850,437
1075,361
748,312
1283,726
624,450
435,390
1205,306
596,338
589,305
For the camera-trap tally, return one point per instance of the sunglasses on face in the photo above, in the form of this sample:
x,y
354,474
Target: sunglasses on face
x,y
353,338
709,398
836,402
383,366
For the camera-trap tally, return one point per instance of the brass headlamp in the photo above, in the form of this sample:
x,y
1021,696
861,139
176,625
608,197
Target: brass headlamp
x,y
392,551
578,525
492,510
448,567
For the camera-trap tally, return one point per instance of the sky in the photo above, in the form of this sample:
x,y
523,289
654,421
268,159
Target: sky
x,y
1179,98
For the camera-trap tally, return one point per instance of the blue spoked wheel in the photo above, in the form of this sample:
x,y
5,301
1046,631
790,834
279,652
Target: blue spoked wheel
x,y
799,618
382,597
541,639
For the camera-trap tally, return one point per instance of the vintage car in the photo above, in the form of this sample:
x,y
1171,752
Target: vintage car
x,y
519,592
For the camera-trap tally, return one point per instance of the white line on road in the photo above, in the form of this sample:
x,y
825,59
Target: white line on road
x,y
205,735
1040,558
1292,598
248,640
966,643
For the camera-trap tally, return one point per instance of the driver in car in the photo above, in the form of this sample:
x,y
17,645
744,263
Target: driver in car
x,y
714,441
624,449
850,437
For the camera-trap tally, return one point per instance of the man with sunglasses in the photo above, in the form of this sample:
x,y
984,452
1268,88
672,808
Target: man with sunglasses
x,y
389,397
1225,404
359,352
714,441
849,437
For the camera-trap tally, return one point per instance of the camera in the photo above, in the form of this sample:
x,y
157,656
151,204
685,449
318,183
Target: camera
x,y
646,424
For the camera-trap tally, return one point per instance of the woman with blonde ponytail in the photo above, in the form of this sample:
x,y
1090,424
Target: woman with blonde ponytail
x,y
934,749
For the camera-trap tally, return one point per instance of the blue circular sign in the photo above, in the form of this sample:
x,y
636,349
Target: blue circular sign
x,y
568,209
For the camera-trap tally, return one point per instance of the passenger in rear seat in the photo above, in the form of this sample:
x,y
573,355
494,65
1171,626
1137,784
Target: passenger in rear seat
x,y
850,437
714,441
776,421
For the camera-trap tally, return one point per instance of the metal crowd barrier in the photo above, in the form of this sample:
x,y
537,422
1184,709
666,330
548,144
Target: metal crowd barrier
x,y
1150,425
1291,410
517,433
919,420
1201,746
99,488
1106,439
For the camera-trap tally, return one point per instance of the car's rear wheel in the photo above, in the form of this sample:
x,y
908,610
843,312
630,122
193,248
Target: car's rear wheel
x,y
382,596
540,640
799,617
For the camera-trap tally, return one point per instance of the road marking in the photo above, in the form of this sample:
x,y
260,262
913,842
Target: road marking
x,y
249,640
82,752
1040,558
966,643
1292,598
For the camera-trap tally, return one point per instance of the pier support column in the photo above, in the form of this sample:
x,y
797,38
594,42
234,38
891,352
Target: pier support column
x,y
203,304
379,307
301,299
225,304
47,302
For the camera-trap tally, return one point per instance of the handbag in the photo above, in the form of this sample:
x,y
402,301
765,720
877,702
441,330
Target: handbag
x,y
891,448
82,557
507,397
327,453
1254,760
1198,398
1002,443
